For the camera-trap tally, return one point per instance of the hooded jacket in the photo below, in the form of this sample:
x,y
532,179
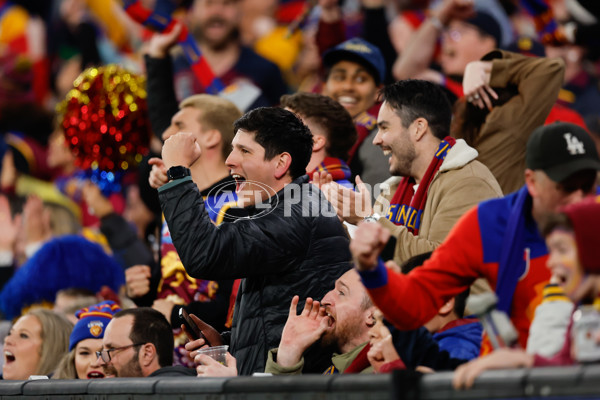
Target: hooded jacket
x,y
461,338
461,183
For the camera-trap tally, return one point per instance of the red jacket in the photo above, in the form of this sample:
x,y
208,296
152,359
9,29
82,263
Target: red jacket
x,y
472,250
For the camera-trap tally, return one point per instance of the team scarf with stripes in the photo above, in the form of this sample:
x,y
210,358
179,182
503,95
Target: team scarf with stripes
x,y
157,22
407,207
548,30
338,169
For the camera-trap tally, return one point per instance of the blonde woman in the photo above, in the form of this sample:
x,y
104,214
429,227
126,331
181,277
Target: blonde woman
x,y
34,344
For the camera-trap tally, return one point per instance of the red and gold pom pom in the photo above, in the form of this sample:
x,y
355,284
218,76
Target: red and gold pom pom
x,y
105,119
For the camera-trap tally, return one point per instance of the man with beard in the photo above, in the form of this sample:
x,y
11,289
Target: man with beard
x,y
498,240
435,178
138,342
342,320
251,81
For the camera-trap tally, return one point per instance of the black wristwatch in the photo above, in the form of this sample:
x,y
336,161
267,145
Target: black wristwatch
x,y
178,172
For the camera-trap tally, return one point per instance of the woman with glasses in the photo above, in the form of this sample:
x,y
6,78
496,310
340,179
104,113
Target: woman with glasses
x,y
82,361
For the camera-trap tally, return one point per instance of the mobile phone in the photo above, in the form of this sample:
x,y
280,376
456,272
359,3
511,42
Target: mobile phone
x,y
190,325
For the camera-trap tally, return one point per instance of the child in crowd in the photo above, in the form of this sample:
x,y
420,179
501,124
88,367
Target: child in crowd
x,y
574,262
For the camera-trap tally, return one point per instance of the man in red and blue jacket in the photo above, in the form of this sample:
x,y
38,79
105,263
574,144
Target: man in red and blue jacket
x,y
498,239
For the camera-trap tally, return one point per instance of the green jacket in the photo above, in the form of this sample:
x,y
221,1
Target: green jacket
x,y
340,361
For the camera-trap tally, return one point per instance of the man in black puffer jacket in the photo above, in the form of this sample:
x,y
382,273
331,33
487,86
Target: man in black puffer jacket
x,y
292,242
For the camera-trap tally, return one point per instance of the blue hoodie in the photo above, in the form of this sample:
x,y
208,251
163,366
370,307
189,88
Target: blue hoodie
x,y
461,338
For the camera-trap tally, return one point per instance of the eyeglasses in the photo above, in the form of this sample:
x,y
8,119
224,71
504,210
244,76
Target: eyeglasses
x,y
456,33
105,354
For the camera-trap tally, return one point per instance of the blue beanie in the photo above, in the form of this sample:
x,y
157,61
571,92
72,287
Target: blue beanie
x,y
64,262
92,322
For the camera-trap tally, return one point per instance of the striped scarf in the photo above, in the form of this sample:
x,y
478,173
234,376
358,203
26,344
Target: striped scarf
x,y
407,207
548,30
338,169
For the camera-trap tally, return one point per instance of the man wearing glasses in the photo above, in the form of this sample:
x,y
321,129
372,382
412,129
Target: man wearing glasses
x,y
138,342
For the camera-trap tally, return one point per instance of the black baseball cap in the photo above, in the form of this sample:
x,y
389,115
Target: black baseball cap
x,y
486,24
561,149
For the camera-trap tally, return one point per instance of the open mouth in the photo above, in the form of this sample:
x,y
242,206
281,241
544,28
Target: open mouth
x,y
9,357
330,319
561,280
239,182
95,375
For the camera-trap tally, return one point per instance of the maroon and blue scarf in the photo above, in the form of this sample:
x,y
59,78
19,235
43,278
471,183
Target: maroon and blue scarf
x,y
407,207
155,21
549,32
338,169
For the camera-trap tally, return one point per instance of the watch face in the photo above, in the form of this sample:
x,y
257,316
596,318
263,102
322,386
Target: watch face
x,y
177,172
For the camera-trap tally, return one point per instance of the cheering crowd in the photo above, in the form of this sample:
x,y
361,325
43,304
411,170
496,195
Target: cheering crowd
x,y
322,187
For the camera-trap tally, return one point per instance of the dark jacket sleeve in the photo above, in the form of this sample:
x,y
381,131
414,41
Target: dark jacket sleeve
x,y
130,250
228,251
85,37
127,247
417,347
375,31
162,102
6,272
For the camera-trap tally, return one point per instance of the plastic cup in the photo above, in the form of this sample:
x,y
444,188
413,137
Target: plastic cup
x,y
216,353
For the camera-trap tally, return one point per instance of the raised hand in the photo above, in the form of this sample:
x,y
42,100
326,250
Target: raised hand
x,y
455,9
369,240
351,206
180,149
137,280
97,203
161,43
158,173
476,84
10,226
382,352
301,331
330,10
36,221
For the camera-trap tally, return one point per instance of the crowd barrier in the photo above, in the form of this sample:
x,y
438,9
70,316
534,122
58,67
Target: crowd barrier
x,y
581,382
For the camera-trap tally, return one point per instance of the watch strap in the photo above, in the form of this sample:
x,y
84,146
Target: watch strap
x,y
178,172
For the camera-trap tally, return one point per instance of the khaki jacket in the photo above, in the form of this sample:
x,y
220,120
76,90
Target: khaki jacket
x,y
460,183
503,137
